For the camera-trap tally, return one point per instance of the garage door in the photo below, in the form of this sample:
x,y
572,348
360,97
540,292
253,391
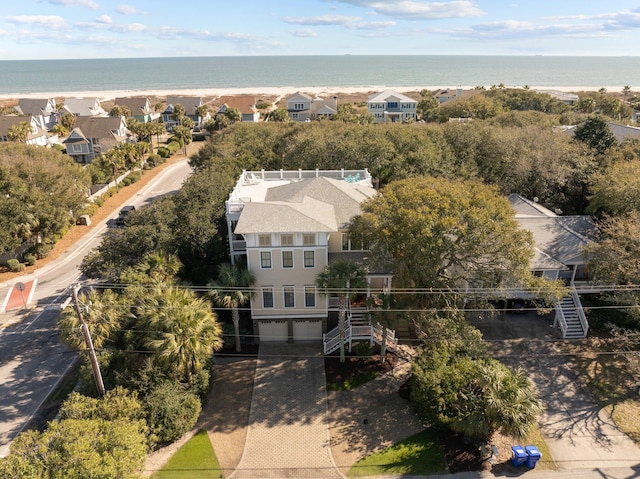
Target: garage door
x,y
307,330
273,331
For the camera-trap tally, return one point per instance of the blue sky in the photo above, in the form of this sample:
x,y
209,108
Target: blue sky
x,y
39,29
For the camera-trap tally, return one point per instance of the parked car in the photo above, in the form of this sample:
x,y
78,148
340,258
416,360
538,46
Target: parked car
x,y
123,214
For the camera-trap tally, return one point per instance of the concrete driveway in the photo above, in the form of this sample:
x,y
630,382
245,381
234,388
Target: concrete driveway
x,y
579,432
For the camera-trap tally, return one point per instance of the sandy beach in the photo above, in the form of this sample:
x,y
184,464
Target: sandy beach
x,y
271,91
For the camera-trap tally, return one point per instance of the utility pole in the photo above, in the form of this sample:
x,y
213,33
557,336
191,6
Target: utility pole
x,y
97,375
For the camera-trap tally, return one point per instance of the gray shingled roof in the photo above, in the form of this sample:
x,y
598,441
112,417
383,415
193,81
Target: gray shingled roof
x,y
136,104
190,103
385,95
277,217
344,197
32,106
98,127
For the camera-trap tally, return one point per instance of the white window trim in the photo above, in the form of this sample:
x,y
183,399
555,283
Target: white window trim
x,y
270,258
293,260
284,295
314,296
304,259
273,303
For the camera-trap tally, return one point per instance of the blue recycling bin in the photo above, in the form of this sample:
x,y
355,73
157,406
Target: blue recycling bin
x,y
533,456
519,456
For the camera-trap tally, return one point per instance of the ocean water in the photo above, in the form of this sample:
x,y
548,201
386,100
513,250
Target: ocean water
x,y
131,74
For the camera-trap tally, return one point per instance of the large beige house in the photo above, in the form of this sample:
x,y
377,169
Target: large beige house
x,y
287,226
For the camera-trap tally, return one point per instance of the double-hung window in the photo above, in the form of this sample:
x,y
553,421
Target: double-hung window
x,y
287,259
309,259
267,297
265,259
289,297
310,296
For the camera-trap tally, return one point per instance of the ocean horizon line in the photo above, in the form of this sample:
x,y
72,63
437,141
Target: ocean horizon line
x,y
106,95
404,55
303,72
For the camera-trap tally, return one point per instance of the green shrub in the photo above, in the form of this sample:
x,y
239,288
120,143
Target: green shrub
x,y
173,146
43,250
363,349
131,178
171,411
90,208
164,152
30,259
15,265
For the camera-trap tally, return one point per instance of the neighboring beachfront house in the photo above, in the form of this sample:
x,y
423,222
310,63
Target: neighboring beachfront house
x,y
190,104
245,104
84,107
95,136
302,107
36,135
391,106
558,254
559,240
140,108
564,97
619,131
446,94
42,109
287,226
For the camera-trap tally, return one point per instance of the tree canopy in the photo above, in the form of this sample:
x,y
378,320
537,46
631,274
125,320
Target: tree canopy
x,y
39,187
437,233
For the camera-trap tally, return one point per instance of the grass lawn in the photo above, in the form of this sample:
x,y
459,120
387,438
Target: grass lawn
x,y
417,455
195,460
535,437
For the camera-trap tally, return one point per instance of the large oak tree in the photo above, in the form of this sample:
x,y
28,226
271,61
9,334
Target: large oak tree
x,y
440,233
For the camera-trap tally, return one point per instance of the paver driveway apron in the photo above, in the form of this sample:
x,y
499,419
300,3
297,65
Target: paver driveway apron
x,y
288,434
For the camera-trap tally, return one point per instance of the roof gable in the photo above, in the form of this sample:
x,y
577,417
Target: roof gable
x,y
389,95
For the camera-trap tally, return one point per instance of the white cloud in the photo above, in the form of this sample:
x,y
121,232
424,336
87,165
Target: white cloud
x,y
355,23
76,3
106,23
303,33
48,21
105,19
420,10
129,10
512,29
322,20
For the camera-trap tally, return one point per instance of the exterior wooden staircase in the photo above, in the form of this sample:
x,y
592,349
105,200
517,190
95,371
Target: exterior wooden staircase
x,y
571,318
359,328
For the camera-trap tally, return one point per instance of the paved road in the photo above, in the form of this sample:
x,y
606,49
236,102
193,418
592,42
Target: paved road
x,y
32,359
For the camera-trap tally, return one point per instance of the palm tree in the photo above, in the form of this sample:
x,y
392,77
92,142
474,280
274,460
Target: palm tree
x,y
182,134
341,277
202,112
19,132
183,331
179,112
625,91
232,290
102,315
114,158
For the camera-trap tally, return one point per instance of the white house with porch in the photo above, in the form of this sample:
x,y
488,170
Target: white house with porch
x,y
391,106
287,226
